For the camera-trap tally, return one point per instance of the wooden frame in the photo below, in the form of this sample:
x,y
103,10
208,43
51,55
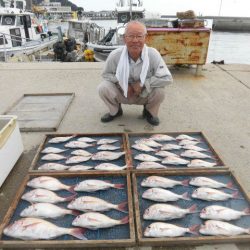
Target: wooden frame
x,y
69,243
184,240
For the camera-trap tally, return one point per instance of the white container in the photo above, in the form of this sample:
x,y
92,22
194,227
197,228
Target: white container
x,y
11,145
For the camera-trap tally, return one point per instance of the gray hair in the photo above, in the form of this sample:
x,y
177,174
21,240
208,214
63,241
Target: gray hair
x,y
135,22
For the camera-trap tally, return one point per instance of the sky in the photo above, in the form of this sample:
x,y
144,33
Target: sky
x,y
170,7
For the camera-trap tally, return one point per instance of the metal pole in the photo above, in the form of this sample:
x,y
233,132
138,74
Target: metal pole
x,y
220,7
5,52
130,9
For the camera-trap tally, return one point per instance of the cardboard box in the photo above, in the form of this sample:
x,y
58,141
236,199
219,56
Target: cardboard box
x,y
11,146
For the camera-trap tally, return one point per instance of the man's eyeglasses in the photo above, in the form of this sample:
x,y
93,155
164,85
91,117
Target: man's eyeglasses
x,y
132,37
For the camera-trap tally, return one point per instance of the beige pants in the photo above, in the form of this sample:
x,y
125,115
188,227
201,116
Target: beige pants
x,y
112,96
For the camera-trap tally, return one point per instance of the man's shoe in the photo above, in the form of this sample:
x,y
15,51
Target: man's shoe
x,y
152,120
144,112
108,117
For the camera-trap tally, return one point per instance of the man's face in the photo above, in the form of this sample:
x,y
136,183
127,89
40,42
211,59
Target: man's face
x,y
135,39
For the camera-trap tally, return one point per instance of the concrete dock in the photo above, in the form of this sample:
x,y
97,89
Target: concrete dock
x,y
216,103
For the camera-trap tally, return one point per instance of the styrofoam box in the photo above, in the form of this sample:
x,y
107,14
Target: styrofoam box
x,y
11,145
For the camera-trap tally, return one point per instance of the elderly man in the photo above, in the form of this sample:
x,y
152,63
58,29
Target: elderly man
x,y
134,74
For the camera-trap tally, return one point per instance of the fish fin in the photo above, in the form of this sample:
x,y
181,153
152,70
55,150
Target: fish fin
x,y
123,207
247,211
230,186
119,186
124,220
236,195
185,182
70,198
194,229
31,225
78,233
193,209
185,196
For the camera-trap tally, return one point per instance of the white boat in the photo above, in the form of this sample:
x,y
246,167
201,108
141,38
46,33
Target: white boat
x,y
21,31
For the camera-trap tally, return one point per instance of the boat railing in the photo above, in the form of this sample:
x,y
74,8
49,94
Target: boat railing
x,y
95,33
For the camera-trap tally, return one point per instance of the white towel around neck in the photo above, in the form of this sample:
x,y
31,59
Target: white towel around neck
x,y
122,71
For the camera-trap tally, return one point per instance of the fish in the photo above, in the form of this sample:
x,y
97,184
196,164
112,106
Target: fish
x,y
170,147
80,168
106,141
89,203
81,152
188,142
211,194
174,160
163,182
214,227
195,154
208,182
44,196
107,147
150,165
186,137
96,185
149,142
109,167
165,154
52,150
145,157
53,157
49,183
94,221
61,139
195,148
167,212
46,210
143,147
86,139
77,159
215,212
161,229
162,137
106,156
200,163
53,166
163,195
78,144
39,229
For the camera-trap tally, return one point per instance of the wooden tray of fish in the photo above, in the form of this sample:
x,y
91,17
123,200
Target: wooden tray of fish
x,y
171,151
77,210
81,153
195,207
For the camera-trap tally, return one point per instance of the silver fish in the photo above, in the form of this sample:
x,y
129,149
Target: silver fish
x,y
81,152
94,221
165,154
43,195
148,142
107,156
211,194
49,183
208,182
142,147
53,166
96,185
52,150
107,147
89,203
77,159
163,182
45,210
195,148
186,137
163,195
145,157
150,165
53,157
172,160
214,227
161,229
162,137
86,139
188,142
39,229
109,167
60,139
170,146
80,168
215,212
106,141
167,212
200,163
195,154
78,144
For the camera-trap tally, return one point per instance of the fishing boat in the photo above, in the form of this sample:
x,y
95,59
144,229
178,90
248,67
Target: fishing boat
x,y
21,31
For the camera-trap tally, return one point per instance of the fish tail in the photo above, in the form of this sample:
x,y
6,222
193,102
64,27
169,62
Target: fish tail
x,y
123,207
230,186
193,209
247,211
236,195
185,182
124,220
74,212
72,189
194,229
119,186
70,198
78,233
185,196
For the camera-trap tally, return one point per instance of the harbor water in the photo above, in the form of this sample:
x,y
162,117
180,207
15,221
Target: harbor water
x,y
232,47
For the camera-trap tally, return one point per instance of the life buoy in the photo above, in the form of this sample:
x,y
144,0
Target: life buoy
x,y
40,28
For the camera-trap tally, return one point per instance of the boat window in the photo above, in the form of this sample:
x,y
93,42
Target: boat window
x,y
28,21
3,40
19,20
8,20
77,26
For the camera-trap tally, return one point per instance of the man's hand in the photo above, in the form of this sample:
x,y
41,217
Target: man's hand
x,y
136,88
130,91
